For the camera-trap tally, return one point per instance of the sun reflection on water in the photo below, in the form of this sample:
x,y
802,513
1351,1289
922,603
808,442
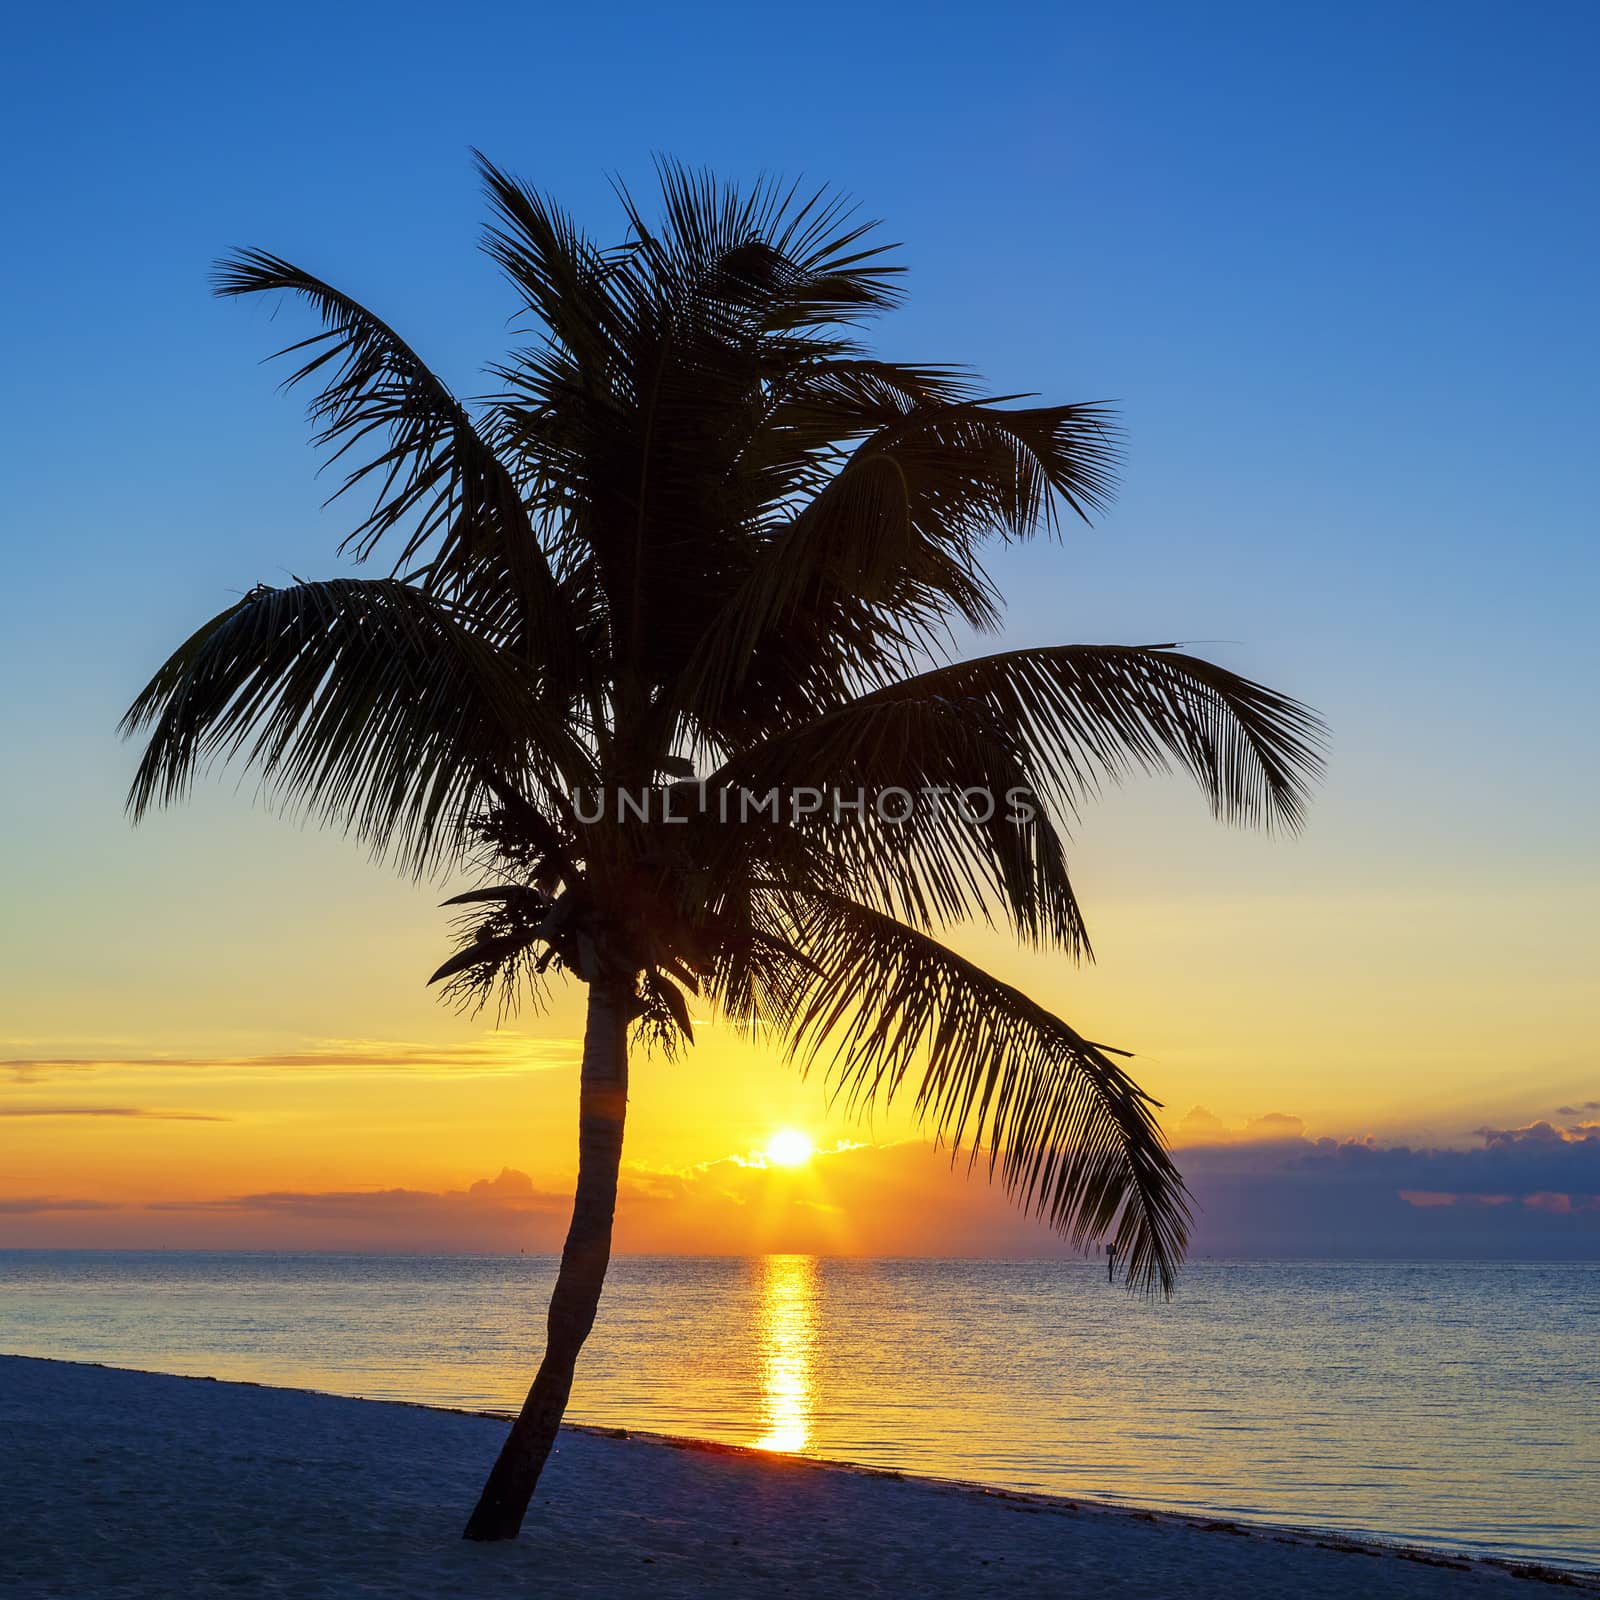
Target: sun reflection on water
x,y
788,1328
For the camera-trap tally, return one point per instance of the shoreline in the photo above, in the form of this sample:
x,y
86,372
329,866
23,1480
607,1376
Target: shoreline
x,y
1069,1525
1236,1524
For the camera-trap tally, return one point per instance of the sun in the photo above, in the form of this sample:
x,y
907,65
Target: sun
x,y
788,1147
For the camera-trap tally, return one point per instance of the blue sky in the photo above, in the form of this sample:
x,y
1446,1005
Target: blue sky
x,y
1336,264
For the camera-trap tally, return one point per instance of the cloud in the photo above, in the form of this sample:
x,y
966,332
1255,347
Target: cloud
x,y
111,1111
1201,1126
29,1205
1534,1134
898,1199
497,1053
507,1212
511,1188
1531,1191
511,1192
895,1199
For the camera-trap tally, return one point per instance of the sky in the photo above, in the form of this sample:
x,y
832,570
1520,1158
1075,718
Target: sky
x,y
1335,265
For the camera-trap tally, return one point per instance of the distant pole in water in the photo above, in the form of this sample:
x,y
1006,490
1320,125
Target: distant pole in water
x,y
1111,1262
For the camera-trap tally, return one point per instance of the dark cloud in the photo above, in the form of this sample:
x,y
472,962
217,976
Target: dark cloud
x,y
30,1205
110,1111
1532,1191
511,1192
506,1212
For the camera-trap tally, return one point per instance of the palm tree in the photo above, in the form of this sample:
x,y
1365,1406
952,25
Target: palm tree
x,y
700,544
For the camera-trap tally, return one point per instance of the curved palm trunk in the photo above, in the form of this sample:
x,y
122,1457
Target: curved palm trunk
x,y
602,1107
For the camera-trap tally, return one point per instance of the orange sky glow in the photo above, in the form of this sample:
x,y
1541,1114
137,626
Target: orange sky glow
x,y
1254,1017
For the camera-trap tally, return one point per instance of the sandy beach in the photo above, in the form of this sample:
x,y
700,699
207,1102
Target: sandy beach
x,y
123,1483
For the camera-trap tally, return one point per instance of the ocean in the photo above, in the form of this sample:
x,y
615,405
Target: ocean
x,y
1456,1405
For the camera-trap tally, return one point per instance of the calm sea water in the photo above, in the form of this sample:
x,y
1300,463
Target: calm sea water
x,y
1457,1405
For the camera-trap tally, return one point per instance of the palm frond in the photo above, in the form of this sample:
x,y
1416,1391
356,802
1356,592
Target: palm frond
x,y
431,472
967,831
1089,712
370,701
702,528
577,291
1066,1132
771,260
896,527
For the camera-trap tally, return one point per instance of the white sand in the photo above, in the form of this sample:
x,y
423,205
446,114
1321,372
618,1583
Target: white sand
x,y
117,1483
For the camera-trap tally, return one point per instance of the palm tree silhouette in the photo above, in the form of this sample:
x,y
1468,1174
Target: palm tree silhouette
x,y
701,544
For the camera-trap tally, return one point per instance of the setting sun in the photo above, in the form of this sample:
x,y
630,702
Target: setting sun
x,y
789,1148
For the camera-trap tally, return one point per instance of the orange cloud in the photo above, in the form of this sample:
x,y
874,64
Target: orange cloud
x,y
903,1198
1201,1126
1532,1192
503,1213
496,1053
855,1199
111,1111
